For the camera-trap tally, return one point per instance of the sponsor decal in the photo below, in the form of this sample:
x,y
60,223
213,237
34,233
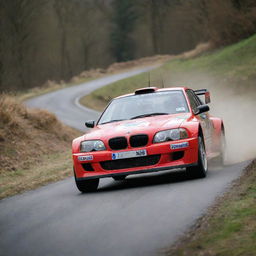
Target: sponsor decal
x,y
179,145
85,158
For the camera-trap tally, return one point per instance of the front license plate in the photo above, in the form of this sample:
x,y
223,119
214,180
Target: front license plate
x,y
129,154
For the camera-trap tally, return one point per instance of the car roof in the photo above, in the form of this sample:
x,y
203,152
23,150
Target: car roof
x,y
147,90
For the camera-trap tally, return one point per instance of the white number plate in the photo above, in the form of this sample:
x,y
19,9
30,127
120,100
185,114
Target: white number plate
x,y
129,154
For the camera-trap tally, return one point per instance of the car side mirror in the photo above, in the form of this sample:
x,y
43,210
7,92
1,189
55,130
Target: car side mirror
x,y
202,109
90,124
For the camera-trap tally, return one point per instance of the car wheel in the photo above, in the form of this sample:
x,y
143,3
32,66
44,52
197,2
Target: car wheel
x,y
87,185
118,178
200,170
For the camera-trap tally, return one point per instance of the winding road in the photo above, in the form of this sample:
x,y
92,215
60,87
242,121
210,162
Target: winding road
x,y
138,216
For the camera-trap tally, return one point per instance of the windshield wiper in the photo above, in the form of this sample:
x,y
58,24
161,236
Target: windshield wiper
x,y
151,114
112,121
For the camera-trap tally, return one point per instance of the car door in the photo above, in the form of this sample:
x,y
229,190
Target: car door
x,y
203,118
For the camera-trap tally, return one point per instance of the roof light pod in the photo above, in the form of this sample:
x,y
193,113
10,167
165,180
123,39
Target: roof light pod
x,y
146,90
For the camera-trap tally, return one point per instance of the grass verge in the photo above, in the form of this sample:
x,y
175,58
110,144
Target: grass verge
x,y
54,167
229,227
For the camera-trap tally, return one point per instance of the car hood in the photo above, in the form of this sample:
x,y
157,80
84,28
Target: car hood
x,y
146,125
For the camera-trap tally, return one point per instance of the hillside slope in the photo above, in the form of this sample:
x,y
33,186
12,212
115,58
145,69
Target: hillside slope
x,y
30,140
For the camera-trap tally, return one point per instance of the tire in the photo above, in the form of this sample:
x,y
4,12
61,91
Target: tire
x,y
118,178
200,170
87,185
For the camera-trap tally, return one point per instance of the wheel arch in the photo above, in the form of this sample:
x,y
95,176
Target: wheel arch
x,y
218,125
193,128
76,144
219,128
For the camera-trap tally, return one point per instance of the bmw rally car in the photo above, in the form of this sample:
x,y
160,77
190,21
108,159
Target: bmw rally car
x,y
149,131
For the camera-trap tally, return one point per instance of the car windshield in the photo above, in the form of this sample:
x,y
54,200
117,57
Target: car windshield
x,y
145,105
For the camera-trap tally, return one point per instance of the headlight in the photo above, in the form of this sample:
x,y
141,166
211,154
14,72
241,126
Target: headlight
x,y
92,145
173,134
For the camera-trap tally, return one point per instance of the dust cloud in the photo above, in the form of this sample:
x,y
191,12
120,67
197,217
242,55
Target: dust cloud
x,y
238,113
236,105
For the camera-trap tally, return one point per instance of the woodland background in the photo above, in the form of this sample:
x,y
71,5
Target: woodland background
x,y
44,40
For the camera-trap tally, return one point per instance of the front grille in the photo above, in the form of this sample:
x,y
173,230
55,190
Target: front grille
x,y
139,140
130,162
118,143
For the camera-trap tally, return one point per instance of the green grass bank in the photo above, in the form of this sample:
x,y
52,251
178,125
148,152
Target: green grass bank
x,y
232,67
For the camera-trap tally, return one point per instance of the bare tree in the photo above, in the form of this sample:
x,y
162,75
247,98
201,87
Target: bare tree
x,y
56,39
156,12
16,34
64,11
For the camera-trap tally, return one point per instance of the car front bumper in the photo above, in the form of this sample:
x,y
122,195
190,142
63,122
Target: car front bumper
x,y
167,155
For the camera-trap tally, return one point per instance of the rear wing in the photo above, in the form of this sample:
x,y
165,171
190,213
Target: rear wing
x,y
205,93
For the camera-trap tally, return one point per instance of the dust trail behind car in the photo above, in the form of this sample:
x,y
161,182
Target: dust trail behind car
x,y
237,107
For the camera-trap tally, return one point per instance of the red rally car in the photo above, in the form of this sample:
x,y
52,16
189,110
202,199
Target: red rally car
x,y
149,131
